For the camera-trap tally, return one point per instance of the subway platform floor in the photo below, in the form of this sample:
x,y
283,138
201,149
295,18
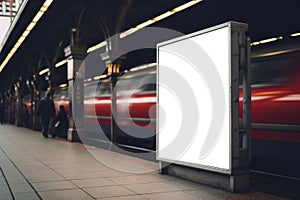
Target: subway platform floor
x,y
32,167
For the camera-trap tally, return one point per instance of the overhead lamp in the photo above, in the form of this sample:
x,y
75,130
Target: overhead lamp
x,y
14,49
151,21
128,32
63,85
43,9
47,3
44,71
21,39
144,24
88,80
97,46
295,34
10,54
255,43
143,67
17,45
266,41
159,17
27,31
99,77
31,26
186,5
38,16
162,16
61,63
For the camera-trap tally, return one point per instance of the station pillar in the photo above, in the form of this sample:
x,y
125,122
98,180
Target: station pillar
x,y
75,55
9,106
35,100
113,70
18,104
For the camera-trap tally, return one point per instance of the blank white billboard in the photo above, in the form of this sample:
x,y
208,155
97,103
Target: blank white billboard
x,y
4,24
194,100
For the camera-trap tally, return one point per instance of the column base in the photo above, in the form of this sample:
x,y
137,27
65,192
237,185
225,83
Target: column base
x,y
232,183
72,135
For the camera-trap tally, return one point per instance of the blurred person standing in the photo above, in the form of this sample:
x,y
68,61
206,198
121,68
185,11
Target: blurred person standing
x,y
46,111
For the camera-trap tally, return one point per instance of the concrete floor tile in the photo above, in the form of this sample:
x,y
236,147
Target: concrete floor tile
x,y
206,194
26,196
183,185
5,196
108,191
83,183
3,187
170,195
44,178
151,188
85,175
75,170
135,179
3,190
39,173
20,188
134,197
251,195
53,185
75,194
57,168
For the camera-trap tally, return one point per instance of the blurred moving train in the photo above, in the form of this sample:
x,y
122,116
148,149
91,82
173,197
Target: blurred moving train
x,y
275,107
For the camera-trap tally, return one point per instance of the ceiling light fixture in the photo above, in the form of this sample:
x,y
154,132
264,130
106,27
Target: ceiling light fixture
x,y
24,35
160,17
149,22
295,34
97,46
44,71
63,85
99,77
61,63
266,41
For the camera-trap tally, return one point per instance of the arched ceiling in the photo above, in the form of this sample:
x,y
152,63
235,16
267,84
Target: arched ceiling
x,y
97,20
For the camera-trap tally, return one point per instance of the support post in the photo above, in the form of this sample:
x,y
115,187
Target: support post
x,y
18,103
113,69
36,97
75,55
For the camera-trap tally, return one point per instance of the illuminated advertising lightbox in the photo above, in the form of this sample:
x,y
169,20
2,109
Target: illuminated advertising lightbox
x,y
193,121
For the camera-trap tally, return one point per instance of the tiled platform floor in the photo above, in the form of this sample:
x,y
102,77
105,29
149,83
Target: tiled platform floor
x,y
33,167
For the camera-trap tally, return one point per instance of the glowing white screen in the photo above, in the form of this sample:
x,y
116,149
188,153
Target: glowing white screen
x,y
4,24
183,85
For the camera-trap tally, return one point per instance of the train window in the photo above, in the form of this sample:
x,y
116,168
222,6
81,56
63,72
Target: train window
x,y
27,98
268,72
149,87
125,84
103,89
61,94
89,91
56,95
